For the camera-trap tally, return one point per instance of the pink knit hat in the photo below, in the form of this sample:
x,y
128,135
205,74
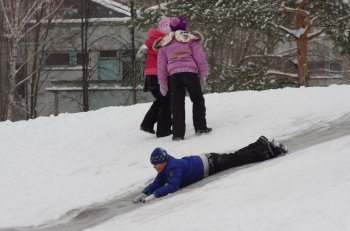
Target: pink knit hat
x,y
164,25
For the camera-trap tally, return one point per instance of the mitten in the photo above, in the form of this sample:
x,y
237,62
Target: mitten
x,y
142,51
163,89
203,81
149,198
139,198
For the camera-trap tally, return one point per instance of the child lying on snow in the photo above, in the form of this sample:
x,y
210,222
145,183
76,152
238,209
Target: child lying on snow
x,y
175,173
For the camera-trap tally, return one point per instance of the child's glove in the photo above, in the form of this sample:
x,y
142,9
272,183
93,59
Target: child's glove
x,y
139,198
163,89
149,198
141,52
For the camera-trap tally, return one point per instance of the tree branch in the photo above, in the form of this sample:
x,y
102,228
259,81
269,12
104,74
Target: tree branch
x,y
264,56
288,76
286,30
44,18
283,8
6,16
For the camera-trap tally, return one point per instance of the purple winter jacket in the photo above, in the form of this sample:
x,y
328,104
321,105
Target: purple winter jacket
x,y
180,51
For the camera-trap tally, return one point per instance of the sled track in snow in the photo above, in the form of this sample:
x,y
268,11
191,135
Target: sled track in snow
x,y
90,216
325,132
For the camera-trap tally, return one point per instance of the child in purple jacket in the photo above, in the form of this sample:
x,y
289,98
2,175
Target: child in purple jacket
x,y
181,57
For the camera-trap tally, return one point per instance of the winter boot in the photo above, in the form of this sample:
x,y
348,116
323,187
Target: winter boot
x,y
204,131
264,140
275,148
164,134
176,138
149,130
278,148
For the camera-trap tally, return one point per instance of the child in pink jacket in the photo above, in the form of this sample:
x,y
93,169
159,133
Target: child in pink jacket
x,y
159,112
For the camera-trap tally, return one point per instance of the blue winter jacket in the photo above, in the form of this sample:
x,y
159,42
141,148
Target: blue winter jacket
x,y
177,173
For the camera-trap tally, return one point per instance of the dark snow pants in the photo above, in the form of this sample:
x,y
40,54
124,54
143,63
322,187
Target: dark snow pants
x,y
179,83
252,153
159,113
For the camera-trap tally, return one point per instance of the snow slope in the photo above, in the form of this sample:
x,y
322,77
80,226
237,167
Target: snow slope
x,y
308,190
50,166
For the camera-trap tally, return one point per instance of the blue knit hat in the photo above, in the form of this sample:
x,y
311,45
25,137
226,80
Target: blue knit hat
x,y
159,155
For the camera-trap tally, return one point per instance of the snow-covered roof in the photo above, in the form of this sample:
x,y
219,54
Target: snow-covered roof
x,y
96,88
114,6
97,20
122,10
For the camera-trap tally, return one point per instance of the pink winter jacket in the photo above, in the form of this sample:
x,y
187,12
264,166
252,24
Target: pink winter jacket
x,y
180,51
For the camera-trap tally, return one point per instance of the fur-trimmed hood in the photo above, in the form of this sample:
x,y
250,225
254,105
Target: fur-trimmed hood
x,y
179,35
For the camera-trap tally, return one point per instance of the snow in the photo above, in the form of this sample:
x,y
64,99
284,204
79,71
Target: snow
x,y
118,7
274,72
289,9
313,34
305,191
218,3
296,33
159,6
93,87
92,20
52,165
115,6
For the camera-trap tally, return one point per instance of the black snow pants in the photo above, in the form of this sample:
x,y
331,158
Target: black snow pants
x,y
159,111
179,83
252,153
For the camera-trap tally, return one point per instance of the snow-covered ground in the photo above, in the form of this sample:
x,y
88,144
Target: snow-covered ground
x,y
50,166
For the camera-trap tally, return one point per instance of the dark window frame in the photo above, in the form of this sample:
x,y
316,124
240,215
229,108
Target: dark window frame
x,y
73,59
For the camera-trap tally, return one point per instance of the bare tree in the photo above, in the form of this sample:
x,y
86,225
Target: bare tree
x,y
17,15
3,87
37,44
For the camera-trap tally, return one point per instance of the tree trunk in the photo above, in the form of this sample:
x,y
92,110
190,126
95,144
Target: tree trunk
x,y
2,73
36,63
12,81
12,61
303,76
301,21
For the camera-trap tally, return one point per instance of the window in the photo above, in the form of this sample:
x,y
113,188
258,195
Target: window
x,y
316,65
108,54
335,67
58,59
110,65
71,58
79,58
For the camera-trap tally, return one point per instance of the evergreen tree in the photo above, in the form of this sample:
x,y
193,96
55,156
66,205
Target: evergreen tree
x,y
271,21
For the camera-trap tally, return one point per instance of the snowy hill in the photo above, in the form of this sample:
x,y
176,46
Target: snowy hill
x,y
87,166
